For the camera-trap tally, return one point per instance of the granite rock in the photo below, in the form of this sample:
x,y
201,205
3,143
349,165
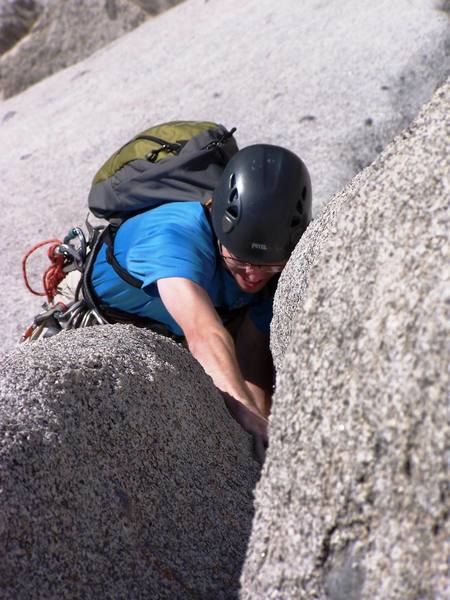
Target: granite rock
x,y
353,498
16,19
122,474
58,34
156,7
63,34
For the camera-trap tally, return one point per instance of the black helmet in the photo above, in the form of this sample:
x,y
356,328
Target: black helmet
x,y
262,203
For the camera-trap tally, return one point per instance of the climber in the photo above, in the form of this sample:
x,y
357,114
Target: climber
x,y
209,272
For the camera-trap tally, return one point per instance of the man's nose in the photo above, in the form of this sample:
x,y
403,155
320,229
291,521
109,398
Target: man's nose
x,y
252,274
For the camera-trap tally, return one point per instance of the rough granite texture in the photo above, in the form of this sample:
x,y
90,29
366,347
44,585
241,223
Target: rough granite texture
x,y
16,19
122,474
353,499
309,75
155,7
294,281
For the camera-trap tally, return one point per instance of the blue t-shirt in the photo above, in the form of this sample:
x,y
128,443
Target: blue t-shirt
x,y
172,240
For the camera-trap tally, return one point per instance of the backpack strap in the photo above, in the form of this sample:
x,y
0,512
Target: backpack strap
x,y
108,239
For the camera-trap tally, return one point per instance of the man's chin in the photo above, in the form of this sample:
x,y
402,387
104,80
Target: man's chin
x,y
250,287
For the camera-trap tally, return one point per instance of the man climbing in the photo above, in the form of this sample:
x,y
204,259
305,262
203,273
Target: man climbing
x,y
209,272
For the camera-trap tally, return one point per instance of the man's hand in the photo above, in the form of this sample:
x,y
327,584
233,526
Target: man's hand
x,y
247,419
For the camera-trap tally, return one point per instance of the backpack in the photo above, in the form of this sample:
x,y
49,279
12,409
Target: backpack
x,y
171,162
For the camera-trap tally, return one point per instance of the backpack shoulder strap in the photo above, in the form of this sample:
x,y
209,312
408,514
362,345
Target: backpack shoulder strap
x,y
108,239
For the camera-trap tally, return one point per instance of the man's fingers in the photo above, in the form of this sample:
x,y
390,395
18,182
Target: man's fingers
x,y
236,407
247,419
259,448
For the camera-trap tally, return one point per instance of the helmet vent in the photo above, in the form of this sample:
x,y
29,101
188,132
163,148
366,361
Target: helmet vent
x,y
233,211
295,222
232,181
300,206
233,196
304,193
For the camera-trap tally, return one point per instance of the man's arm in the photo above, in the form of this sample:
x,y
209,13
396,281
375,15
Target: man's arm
x,y
256,363
211,344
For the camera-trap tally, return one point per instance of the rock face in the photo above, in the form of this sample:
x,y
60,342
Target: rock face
x,y
122,474
58,34
65,33
353,499
155,7
16,20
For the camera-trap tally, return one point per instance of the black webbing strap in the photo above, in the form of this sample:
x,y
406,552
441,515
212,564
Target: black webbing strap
x,y
174,147
221,140
108,239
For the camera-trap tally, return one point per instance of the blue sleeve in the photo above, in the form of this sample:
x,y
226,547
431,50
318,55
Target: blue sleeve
x,y
261,314
175,251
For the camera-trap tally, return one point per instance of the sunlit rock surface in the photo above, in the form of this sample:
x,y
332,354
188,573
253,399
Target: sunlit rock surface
x,y
353,499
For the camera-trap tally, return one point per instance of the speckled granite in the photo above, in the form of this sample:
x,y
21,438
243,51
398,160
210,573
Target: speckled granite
x,y
121,473
353,499
16,20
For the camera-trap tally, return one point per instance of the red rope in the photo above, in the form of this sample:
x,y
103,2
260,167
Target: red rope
x,y
53,275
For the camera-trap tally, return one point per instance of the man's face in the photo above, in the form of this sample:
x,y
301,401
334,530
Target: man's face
x,y
249,277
